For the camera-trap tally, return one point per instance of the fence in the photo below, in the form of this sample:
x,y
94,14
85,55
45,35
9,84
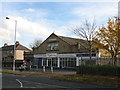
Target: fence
x,y
108,60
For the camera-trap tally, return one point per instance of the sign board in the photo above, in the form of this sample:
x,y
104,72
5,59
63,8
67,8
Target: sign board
x,y
54,55
86,55
51,55
53,39
28,55
39,55
67,55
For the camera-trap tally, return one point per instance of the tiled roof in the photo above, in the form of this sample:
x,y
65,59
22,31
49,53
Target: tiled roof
x,y
18,47
72,41
21,47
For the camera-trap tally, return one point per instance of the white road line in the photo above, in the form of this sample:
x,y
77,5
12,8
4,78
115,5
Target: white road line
x,y
45,84
21,85
52,85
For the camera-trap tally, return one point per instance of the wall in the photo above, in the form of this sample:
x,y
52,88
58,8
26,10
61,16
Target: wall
x,y
63,46
19,54
104,53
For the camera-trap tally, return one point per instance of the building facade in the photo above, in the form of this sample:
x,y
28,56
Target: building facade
x,y
29,60
8,54
105,57
63,52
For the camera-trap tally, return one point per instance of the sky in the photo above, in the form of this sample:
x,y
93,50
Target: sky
x,y
37,20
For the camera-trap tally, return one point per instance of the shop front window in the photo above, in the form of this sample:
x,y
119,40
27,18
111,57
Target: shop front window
x,y
52,62
44,62
67,62
49,62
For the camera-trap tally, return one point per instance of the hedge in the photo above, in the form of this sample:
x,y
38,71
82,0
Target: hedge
x,y
106,70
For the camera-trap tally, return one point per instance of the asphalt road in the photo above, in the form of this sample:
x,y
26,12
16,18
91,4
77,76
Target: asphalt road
x,y
0,80
16,81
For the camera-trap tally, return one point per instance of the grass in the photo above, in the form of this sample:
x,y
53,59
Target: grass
x,y
26,73
6,71
100,80
92,79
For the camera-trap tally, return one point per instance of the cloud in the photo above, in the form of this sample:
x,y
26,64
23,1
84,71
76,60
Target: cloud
x,y
97,11
7,31
38,23
29,30
30,10
26,28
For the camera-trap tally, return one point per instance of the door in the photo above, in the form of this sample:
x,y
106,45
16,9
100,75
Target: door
x,y
39,62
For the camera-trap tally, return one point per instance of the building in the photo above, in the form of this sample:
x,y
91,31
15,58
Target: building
x,y
8,54
105,57
29,60
63,52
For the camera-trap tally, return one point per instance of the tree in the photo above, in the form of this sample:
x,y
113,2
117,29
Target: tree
x,y
35,44
109,37
87,32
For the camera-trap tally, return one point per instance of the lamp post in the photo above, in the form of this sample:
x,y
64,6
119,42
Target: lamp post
x,y
14,43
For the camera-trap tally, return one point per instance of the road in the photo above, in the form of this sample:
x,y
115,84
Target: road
x,y
16,81
0,80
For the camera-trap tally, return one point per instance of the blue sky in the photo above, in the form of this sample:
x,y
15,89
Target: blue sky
x,y
37,20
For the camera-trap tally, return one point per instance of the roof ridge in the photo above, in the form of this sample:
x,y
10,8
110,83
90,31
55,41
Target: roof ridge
x,y
71,38
22,46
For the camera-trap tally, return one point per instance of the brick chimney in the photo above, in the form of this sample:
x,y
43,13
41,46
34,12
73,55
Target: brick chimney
x,y
5,44
17,43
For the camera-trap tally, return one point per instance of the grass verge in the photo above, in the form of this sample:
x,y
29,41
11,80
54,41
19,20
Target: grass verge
x,y
100,80
26,73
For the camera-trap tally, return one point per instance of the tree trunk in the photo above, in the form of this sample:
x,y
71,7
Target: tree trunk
x,y
114,59
90,52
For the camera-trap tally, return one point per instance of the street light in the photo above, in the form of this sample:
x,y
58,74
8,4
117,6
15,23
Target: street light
x,y
14,43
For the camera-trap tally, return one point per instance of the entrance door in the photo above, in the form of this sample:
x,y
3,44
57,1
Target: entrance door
x,y
50,62
39,62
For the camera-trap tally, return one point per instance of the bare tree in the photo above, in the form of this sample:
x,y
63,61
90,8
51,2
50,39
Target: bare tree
x,y
35,44
87,32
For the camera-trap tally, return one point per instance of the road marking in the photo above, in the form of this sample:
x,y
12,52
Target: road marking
x,y
21,85
52,85
44,84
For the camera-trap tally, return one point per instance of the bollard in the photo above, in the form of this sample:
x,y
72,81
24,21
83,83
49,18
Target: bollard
x,y
52,69
43,68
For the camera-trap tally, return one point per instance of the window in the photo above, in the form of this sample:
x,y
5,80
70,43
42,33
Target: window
x,y
52,62
52,46
49,62
44,62
67,62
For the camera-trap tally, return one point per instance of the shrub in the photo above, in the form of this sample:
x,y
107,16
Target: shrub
x,y
107,70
